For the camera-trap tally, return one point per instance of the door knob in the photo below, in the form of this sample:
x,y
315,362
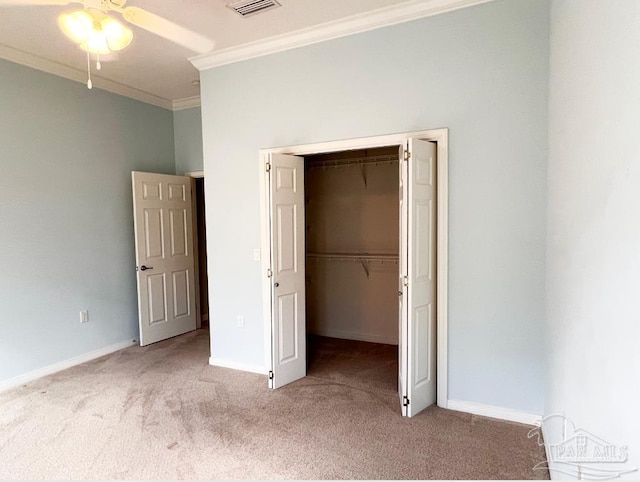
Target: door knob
x,y
145,268
275,285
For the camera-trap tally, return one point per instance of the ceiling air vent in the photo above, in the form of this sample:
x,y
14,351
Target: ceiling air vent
x,y
249,7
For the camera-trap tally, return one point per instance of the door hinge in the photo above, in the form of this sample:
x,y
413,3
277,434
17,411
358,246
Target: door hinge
x,y
407,155
269,273
270,375
405,401
268,166
405,280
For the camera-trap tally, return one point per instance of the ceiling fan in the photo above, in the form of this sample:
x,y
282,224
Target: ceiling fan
x,y
97,12
98,33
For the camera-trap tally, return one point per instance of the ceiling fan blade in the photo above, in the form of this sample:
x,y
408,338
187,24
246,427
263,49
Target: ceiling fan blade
x,y
167,29
26,3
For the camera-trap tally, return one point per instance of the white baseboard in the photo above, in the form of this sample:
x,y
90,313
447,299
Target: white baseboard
x,y
63,365
495,412
350,335
218,362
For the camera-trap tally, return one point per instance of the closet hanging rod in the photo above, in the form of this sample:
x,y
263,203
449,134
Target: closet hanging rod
x,y
354,161
354,256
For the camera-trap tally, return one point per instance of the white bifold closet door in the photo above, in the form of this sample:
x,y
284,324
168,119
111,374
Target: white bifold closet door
x,y
288,333
164,255
417,351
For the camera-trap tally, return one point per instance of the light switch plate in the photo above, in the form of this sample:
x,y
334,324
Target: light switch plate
x,y
256,255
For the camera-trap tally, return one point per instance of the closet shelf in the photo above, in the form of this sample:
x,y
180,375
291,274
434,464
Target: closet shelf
x,y
354,161
354,256
362,258
362,162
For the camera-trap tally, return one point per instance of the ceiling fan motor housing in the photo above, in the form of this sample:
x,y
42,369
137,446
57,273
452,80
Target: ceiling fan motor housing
x,y
116,3
104,5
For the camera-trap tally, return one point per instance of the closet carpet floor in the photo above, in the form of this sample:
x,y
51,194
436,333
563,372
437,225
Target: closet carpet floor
x,y
161,412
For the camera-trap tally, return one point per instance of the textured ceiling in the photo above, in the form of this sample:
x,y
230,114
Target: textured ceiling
x,y
154,65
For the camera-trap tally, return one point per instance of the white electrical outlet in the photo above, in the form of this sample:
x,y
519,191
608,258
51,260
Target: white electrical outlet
x,y
84,316
240,321
256,255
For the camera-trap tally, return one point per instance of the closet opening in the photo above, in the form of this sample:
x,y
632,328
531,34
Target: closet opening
x,y
352,255
354,236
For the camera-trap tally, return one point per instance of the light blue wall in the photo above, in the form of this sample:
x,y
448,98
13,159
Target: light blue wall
x,y
593,262
66,224
483,73
187,132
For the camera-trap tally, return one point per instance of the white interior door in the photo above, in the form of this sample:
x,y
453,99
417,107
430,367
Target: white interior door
x,y
288,339
418,280
164,255
402,306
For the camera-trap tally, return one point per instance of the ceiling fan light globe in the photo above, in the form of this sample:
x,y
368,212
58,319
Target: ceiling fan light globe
x,y
117,35
76,25
96,44
120,43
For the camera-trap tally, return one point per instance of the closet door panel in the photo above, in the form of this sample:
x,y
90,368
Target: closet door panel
x,y
419,327
403,335
288,266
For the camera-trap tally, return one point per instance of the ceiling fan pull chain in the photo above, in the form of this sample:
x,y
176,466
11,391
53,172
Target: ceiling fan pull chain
x,y
98,64
89,83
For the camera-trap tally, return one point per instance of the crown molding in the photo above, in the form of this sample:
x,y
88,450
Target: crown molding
x,y
384,17
35,62
186,103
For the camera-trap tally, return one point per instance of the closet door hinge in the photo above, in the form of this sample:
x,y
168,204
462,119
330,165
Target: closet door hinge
x,y
270,375
405,401
405,280
269,273
268,166
407,155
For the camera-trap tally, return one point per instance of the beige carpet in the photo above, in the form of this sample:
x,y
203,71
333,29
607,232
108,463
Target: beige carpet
x,y
161,412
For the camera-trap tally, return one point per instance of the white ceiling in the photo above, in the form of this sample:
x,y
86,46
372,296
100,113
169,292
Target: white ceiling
x,y
152,64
